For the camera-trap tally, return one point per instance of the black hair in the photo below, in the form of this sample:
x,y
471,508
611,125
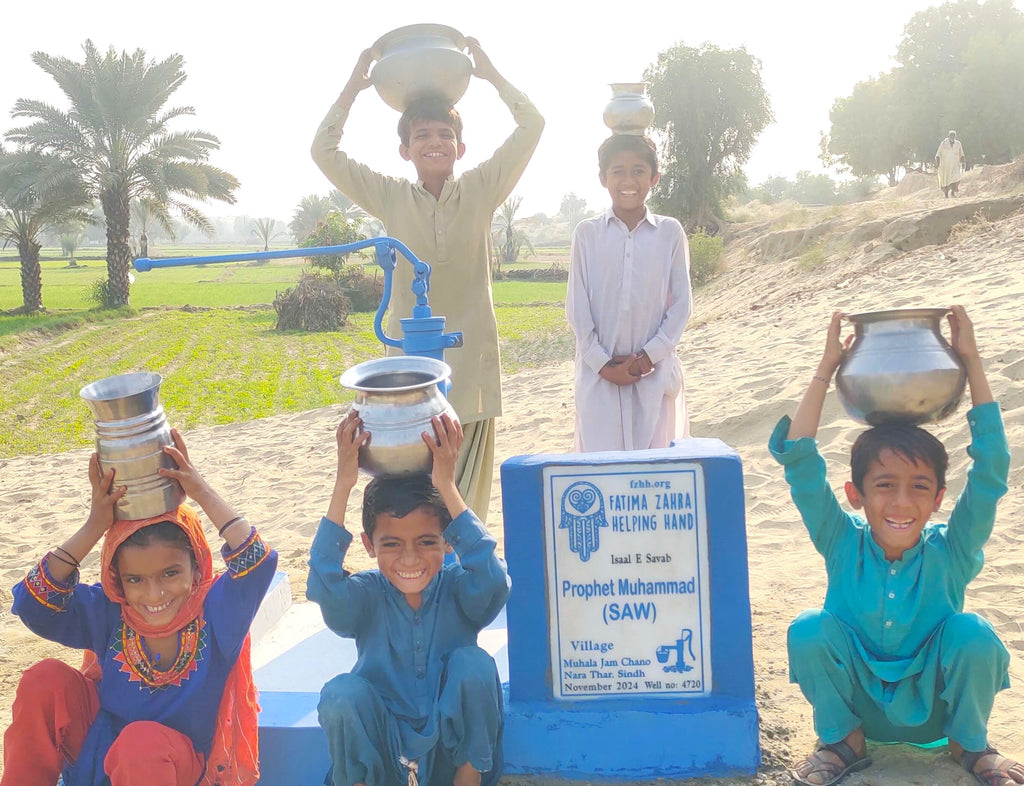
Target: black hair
x,y
911,442
643,146
161,532
429,108
398,496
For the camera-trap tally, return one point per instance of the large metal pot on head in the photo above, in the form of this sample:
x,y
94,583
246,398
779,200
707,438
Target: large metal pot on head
x,y
900,368
396,397
629,111
131,432
416,61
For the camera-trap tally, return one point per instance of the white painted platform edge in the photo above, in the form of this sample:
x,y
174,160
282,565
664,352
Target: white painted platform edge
x,y
272,609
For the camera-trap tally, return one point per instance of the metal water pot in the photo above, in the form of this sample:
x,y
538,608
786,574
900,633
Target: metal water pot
x,y
416,61
396,397
131,432
630,111
900,368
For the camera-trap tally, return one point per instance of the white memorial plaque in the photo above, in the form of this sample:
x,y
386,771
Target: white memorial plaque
x,y
628,583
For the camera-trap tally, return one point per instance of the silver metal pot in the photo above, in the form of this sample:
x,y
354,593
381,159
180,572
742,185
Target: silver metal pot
x,y
900,368
630,111
396,397
420,60
131,432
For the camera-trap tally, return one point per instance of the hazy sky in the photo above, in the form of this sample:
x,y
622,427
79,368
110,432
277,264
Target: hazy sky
x,y
263,79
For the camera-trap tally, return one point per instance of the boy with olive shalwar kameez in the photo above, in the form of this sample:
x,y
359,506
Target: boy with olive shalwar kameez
x,y
445,221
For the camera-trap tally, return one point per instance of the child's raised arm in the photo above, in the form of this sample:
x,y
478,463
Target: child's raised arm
x,y
360,78
808,413
350,436
964,344
445,444
69,555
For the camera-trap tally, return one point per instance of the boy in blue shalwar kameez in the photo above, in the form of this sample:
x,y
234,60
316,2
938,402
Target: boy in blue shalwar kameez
x,y
422,699
892,655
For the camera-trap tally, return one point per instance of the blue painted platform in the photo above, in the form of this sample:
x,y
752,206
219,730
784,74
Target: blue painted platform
x,y
291,663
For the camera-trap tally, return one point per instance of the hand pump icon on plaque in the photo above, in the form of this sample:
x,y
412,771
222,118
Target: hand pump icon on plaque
x,y
683,645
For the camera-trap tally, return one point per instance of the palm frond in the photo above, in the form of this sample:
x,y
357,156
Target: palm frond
x,y
192,215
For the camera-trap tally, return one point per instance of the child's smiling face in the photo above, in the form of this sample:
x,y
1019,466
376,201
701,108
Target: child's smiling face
x,y
433,149
629,179
899,497
409,550
156,579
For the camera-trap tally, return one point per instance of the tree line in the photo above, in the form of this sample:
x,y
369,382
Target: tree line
x,y
958,66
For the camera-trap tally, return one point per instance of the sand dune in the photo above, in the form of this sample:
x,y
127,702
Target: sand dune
x,y
750,349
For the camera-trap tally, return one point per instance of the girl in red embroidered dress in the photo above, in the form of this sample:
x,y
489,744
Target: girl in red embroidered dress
x,y
165,695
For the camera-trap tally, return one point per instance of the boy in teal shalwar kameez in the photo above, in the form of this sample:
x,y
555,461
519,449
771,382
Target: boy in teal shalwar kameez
x,y
892,655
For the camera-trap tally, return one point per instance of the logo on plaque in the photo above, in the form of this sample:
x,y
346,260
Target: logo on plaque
x,y
583,515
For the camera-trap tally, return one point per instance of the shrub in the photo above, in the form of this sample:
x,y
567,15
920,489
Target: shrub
x,y
334,230
100,293
554,272
705,257
363,290
316,303
812,258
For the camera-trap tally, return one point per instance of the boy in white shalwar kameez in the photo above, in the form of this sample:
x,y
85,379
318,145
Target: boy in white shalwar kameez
x,y
628,301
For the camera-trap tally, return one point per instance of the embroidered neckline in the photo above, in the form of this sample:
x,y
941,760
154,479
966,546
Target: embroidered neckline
x,y
135,662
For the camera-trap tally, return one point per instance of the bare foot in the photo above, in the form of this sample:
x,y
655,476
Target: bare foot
x,y
467,776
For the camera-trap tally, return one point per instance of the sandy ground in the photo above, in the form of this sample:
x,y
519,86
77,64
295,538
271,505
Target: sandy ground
x,y
748,352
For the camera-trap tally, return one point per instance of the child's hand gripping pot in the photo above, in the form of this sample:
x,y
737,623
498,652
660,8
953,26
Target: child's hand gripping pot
x,y
445,444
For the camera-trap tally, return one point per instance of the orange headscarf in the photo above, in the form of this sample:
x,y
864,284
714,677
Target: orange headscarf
x,y
234,757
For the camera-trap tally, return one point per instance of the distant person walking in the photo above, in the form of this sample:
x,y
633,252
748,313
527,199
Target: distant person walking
x,y
949,162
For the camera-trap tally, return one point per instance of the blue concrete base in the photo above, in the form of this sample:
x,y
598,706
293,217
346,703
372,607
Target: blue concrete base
x,y
628,737
293,748
546,739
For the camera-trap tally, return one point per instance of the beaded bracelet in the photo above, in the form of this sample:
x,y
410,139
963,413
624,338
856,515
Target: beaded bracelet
x,y
233,521
821,379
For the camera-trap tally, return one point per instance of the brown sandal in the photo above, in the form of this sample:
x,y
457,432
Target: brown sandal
x,y
851,762
993,776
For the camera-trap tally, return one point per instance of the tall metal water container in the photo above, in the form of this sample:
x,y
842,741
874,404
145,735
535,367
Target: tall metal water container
x,y
131,432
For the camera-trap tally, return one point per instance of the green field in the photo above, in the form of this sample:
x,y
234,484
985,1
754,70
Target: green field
x,y
221,359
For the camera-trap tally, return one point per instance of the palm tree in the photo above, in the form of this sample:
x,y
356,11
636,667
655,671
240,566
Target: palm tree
x,y
37,192
508,238
145,213
311,211
116,133
70,236
352,212
574,209
264,230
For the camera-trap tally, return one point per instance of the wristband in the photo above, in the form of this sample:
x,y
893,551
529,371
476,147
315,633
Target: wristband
x,y
821,379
